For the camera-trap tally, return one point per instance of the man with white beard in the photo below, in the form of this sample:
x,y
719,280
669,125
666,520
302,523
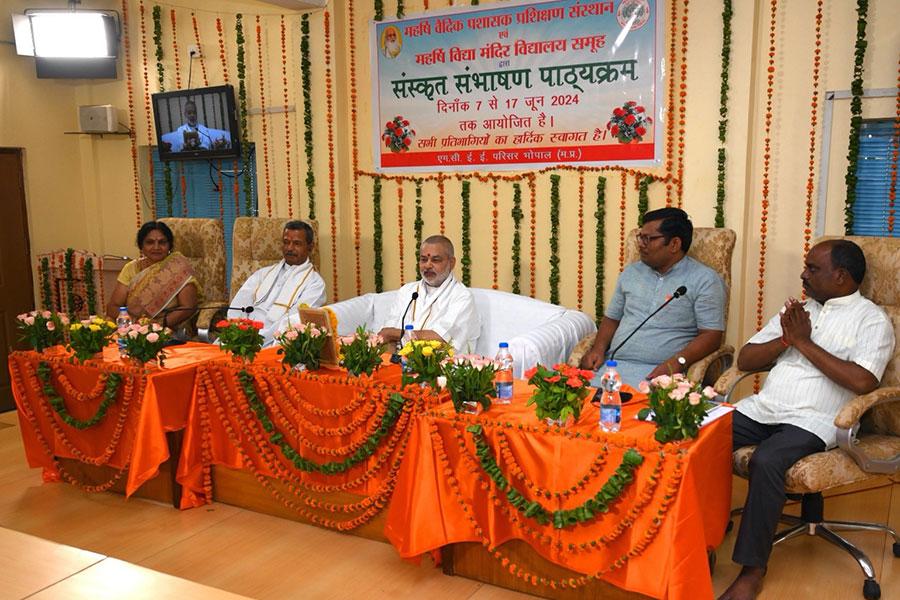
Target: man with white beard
x,y
442,305
391,43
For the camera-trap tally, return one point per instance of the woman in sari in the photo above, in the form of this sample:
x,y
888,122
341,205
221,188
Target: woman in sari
x,y
159,285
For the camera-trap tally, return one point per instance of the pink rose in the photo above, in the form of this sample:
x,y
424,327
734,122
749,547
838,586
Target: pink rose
x,y
644,387
153,337
678,393
694,398
64,319
50,326
46,314
29,320
662,381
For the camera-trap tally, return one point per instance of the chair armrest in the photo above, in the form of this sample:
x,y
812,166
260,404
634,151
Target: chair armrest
x,y
551,342
580,349
847,423
206,319
353,312
728,381
697,371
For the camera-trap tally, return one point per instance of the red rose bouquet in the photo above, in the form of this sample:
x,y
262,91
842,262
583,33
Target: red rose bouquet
x,y
629,123
241,337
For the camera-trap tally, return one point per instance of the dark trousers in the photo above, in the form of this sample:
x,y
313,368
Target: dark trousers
x,y
778,447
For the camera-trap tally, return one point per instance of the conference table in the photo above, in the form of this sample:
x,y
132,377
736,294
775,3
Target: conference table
x,y
653,540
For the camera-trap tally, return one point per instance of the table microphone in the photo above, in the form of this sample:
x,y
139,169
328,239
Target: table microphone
x,y
244,309
395,357
681,291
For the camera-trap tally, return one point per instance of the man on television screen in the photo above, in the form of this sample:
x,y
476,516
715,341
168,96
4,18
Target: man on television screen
x,y
193,135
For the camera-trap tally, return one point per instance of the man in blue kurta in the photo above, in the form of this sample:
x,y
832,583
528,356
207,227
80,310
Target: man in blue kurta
x,y
690,326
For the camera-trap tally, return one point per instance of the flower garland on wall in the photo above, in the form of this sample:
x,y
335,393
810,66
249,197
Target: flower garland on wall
x,y
623,188
242,111
87,270
224,61
354,142
466,259
770,83
670,104
440,183
145,73
160,74
287,123
264,117
579,286
856,90
379,10
46,290
495,251
306,84
418,224
532,264
132,129
200,58
377,228
600,251
643,198
517,216
682,100
727,14
892,190
329,118
400,9
400,241
70,282
182,181
813,122
554,239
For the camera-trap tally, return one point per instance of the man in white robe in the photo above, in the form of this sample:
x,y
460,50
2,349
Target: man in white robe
x,y
276,292
193,135
443,305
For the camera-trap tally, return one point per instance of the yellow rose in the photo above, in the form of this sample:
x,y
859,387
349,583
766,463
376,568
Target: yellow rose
x,y
111,325
449,351
405,350
75,326
427,351
94,327
434,344
97,320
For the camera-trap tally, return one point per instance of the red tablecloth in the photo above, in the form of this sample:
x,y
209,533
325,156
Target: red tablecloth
x,y
654,538
154,401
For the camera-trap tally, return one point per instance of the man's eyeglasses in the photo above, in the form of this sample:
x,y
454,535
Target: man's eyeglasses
x,y
646,239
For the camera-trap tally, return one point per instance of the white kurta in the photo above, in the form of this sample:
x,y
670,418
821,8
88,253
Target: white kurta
x,y
208,137
448,310
276,292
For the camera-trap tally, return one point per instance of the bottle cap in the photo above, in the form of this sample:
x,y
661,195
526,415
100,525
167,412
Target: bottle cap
x,y
504,344
409,328
123,308
611,363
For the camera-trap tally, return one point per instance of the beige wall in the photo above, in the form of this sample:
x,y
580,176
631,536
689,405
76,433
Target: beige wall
x,y
80,190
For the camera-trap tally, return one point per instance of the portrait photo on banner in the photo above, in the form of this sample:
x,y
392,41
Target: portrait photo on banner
x,y
522,85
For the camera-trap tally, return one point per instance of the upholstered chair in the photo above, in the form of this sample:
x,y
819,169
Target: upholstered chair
x,y
868,428
202,242
713,247
256,243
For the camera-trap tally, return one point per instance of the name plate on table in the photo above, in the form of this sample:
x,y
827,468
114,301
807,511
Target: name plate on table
x,y
319,317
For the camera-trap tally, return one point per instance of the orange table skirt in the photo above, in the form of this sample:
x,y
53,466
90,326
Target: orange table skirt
x,y
324,416
654,538
131,437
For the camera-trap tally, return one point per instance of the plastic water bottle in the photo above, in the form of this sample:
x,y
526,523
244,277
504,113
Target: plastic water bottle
x,y
407,336
610,400
123,322
503,376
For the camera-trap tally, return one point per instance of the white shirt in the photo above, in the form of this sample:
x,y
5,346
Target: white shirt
x,y
448,310
208,137
276,292
851,328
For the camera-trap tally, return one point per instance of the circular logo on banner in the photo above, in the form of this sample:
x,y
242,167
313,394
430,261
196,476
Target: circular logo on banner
x,y
633,14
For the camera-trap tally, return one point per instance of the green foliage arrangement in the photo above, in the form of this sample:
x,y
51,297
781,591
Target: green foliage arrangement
x,y
559,392
361,352
470,381
240,337
110,390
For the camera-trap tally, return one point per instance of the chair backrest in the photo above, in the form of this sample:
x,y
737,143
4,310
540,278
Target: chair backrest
x,y
256,243
881,285
713,246
202,241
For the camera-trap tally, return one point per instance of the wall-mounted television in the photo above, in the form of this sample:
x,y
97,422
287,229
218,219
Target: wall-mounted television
x,y
196,124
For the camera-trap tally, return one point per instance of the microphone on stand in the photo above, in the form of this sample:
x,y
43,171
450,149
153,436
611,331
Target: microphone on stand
x,y
681,291
395,357
244,309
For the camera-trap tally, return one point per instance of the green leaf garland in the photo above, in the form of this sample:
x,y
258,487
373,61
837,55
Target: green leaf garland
x,y
110,390
400,9
306,78
89,286
418,224
46,290
727,14
377,234
856,90
600,215
466,234
367,449
242,96
379,10
517,216
643,198
70,283
554,239
610,491
168,188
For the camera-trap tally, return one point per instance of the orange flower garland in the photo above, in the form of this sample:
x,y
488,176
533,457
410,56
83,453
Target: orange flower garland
x,y
440,183
770,83
813,122
400,227
495,213
682,101
892,193
175,49
579,286
264,118
532,264
147,111
202,60
354,140
332,194
670,108
287,122
234,165
132,134
622,205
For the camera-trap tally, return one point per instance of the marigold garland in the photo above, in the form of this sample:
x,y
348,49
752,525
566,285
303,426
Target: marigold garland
x,y
287,121
532,188
856,91
770,83
440,182
401,243
554,239
168,190
418,224
600,250
579,284
622,205
727,14
305,84
377,232
354,142
892,190
495,252
466,259
517,216
175,54
148,113
132,129
202,60
682,101
264,118
670,106
242,113
329,118
813,122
